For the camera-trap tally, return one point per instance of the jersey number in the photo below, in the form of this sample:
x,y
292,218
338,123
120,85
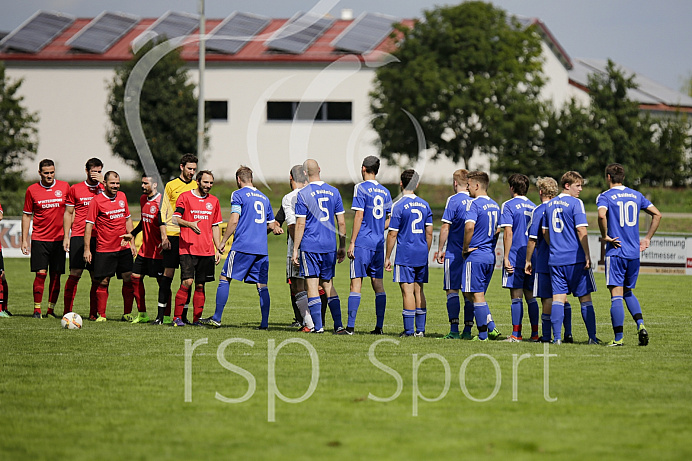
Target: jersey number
x,y
557,223
492,222
378,207
628,214
259,208
320,203
414,229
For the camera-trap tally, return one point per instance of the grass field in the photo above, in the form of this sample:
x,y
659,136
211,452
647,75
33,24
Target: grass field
x,y
117,391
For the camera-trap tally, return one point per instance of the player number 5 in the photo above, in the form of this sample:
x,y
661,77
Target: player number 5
x,y
320,203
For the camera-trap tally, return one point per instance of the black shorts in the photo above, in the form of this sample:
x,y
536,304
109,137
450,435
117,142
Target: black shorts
x,y
148,266
47,256
171,258
77,253
2,262
112,263
201,268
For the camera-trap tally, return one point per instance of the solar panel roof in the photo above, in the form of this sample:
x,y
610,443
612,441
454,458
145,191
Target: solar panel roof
x,y
299,32
365,33
102,32
234,32
37,31
171,25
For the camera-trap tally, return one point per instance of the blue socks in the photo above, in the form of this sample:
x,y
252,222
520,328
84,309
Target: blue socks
x,y
533,315
353,304
421,315
634,307
568,318
265,303
221,298
617,316
546,326
453,310
315,306
557,316
468,316
335,308
409,318
517,316
481,312
589,316
380,306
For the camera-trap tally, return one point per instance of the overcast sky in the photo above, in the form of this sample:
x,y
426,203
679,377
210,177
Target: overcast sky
x,y
651,37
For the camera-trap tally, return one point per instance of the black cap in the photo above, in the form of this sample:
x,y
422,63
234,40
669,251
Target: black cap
x,y
371,161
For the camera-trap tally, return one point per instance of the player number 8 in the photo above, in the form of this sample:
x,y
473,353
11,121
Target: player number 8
x,y
378,208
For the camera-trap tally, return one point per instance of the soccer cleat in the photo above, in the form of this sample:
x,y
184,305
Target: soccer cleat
x,y
377,331
167,320
535,339
476,338
452,335
544,340
466,336
643,335
305,330
557,342
93,318
403,334
595,342
127,318
54,315
185,321
100,319
513,339
569,339
210,322
4,314
296,324
37,315
8,312
343,331
320,331
142,317
419,334
494,335
178,323
615,343
261,328
158,322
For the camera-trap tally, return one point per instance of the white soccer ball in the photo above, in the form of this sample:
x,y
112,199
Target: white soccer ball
x,y
71,321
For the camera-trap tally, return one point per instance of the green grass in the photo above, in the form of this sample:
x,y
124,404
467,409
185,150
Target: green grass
x,y
114,390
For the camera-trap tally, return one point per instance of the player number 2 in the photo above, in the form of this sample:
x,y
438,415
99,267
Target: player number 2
x,y
320,203
259,208
628,214
414,229
558,224
378,207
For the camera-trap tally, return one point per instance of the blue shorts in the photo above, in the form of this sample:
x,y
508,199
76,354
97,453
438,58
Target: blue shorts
x,y
542,286
246,267
453,265
517,279
368,263
573,279
410,274
621,272
317,265
476,277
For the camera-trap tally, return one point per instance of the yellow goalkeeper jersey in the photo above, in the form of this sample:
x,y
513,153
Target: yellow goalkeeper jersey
x,y
173,190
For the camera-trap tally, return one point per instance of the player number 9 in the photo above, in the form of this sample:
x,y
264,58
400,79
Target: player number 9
x,y
259,208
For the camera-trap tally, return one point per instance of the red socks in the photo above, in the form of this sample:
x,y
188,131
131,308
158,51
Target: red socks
x,y
4,297
70,293
138,287
181,298
101,299
54,288
198,303
128,292
39,283
93,301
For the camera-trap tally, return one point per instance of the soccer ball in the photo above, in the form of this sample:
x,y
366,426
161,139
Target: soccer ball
x,y
71,321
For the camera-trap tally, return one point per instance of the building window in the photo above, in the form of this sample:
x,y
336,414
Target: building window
x,y
216,110
330,111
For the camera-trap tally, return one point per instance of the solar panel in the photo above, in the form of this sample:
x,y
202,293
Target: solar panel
x,y
171,25
299,32
365,33
235,32
102,32
37,31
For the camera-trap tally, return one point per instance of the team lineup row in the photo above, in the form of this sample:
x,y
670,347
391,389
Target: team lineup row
x,y
546,251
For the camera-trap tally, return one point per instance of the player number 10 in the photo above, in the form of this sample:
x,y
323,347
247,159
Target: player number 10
x,y
628,214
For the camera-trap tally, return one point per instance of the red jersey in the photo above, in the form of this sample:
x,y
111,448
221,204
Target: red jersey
x,y
151,234
207,211
47,204
108,215
79,197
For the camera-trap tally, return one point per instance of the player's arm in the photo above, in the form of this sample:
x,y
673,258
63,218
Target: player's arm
x,y
583,237
603,227
429,235
655,221
87,242
216,236
298,237
507,236
357,222
230,230
530,247
341,224
391,240
26,223
177,219
468,234
444,234
67,219
138,228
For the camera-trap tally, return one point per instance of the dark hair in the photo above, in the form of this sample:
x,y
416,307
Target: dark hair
x,y
109,174
201,173
298,174
519,183
45,162
571,177
371,164
409,179
244,174
92,162
188,158
481,177
616,172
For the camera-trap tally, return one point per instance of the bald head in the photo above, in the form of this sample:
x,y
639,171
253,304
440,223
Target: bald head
x,y
312,169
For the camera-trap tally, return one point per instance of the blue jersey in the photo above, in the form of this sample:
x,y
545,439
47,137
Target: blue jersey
x,y
375,201
563,215
455,216
542,253
516,213
485,213
623,205
410,216
255,213
319,203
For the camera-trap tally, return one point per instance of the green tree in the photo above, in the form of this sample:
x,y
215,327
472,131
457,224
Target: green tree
x,y
672,165
18,133
470,75
168,111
